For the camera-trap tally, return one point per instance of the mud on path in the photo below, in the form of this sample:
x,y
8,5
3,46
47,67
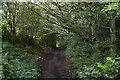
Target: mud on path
x,y
55,65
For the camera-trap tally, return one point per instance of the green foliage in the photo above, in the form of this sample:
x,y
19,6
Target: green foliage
x,y
112,8
62,41
50,40
5,31
82,29
82,52
17,63
109,69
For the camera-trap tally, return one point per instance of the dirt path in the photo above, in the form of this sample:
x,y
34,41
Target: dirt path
x,y
55,65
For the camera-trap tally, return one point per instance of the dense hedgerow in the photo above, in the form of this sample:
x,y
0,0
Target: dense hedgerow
x,y
18,63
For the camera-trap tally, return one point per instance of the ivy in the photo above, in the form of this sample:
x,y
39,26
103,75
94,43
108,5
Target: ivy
x,y
17,64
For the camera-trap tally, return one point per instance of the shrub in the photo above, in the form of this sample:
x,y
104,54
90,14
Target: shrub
x,y
17,63
109,69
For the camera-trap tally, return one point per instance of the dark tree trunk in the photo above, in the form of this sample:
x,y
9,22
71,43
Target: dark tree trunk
x,y
113,35
13,35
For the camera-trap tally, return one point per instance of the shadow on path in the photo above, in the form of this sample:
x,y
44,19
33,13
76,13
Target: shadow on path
x,y
55,65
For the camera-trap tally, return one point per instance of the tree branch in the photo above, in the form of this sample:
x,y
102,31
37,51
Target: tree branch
x,y
97,25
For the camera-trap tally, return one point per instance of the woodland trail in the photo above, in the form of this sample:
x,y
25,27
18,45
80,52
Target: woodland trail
x,y
55,65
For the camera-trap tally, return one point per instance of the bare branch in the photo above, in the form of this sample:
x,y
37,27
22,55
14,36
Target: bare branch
x,y
97,25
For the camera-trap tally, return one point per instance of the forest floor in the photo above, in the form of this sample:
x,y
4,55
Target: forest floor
x,y
55,64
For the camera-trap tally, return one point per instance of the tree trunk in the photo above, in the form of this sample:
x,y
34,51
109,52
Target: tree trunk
x,y
12,21
93,31
12,35
113,36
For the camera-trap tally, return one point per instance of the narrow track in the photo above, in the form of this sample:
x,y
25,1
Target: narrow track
x,y
55,65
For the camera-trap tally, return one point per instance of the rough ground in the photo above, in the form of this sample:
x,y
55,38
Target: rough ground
x,y
55,65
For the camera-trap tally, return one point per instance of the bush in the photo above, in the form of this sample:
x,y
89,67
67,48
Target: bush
x,y
86,56
17,63
109,69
